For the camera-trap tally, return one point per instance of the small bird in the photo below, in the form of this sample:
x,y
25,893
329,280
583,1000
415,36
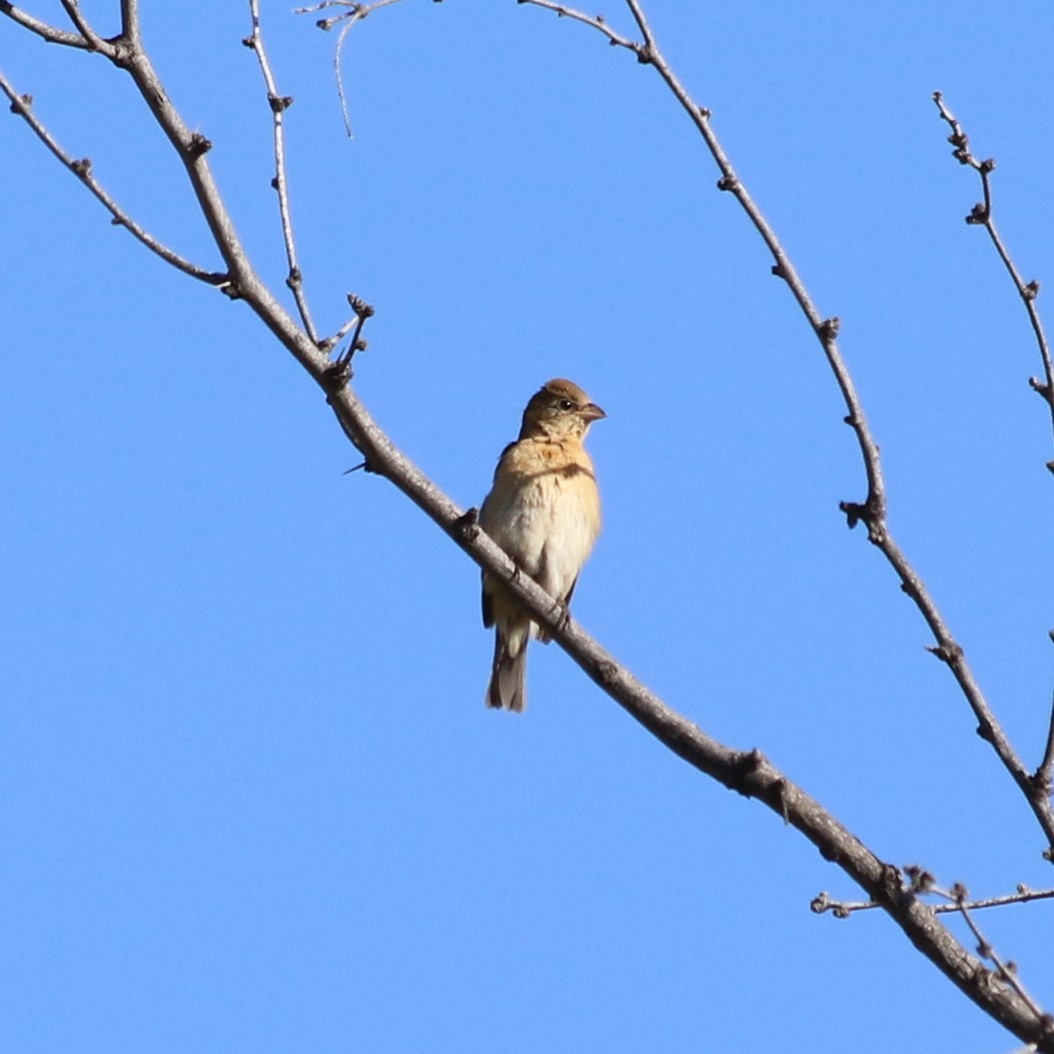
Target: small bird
x,y
544,511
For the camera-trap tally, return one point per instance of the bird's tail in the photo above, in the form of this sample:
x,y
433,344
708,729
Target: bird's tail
x,y
508,674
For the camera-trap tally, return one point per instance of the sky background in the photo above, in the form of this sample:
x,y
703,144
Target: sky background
x,y
250,797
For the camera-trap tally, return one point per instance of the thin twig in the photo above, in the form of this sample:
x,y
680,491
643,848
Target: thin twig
x,y
82,169
598,22
95,42
842,909
982,215
872,512
279,104
1004,970
353,12
52,34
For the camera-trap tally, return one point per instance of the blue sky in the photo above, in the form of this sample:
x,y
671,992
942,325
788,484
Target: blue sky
x,y
251,798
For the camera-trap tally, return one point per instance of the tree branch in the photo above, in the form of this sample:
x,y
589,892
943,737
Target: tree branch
x,y
279,104
872,512
982,215
52,34
842,909
747,772
21,105
351,12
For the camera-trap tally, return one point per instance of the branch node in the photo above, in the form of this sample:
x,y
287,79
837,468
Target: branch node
x,y
1031,290
466,526
198,146
278,103
727,183
978,214
828,329
948,653
22,104
82,167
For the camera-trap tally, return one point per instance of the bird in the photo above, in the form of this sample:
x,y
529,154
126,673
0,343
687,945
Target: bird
x,y
543,509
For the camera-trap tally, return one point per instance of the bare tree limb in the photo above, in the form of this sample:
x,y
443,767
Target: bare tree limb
x,y
279,104
748,772
52,34
1005,971
21,105
982,215
95,42
130,21
872,512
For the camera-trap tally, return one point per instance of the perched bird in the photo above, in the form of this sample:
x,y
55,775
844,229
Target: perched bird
x,y
544,511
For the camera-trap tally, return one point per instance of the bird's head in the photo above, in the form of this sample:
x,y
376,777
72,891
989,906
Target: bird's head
x,y
559,410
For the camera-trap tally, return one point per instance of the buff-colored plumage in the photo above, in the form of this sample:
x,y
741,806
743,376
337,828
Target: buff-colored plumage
x,y
544,511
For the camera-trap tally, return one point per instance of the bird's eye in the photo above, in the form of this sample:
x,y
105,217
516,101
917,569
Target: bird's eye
x,y
566,404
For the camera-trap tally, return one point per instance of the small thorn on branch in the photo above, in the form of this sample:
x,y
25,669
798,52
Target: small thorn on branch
x,y
362,466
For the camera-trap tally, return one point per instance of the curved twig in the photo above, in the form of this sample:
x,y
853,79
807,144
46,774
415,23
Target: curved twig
x,y
21,105
352,12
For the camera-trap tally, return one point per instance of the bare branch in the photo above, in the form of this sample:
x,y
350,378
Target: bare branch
x,y
872,512
596,21
279,104
1005,971
747,772
130,21
351,13
842,909
95,42
82,169
982,215
52,34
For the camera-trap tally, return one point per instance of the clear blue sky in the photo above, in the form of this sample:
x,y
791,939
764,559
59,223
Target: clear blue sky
x,y
251,799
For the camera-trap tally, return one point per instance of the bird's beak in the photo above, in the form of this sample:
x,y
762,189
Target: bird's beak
x,y
591,412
